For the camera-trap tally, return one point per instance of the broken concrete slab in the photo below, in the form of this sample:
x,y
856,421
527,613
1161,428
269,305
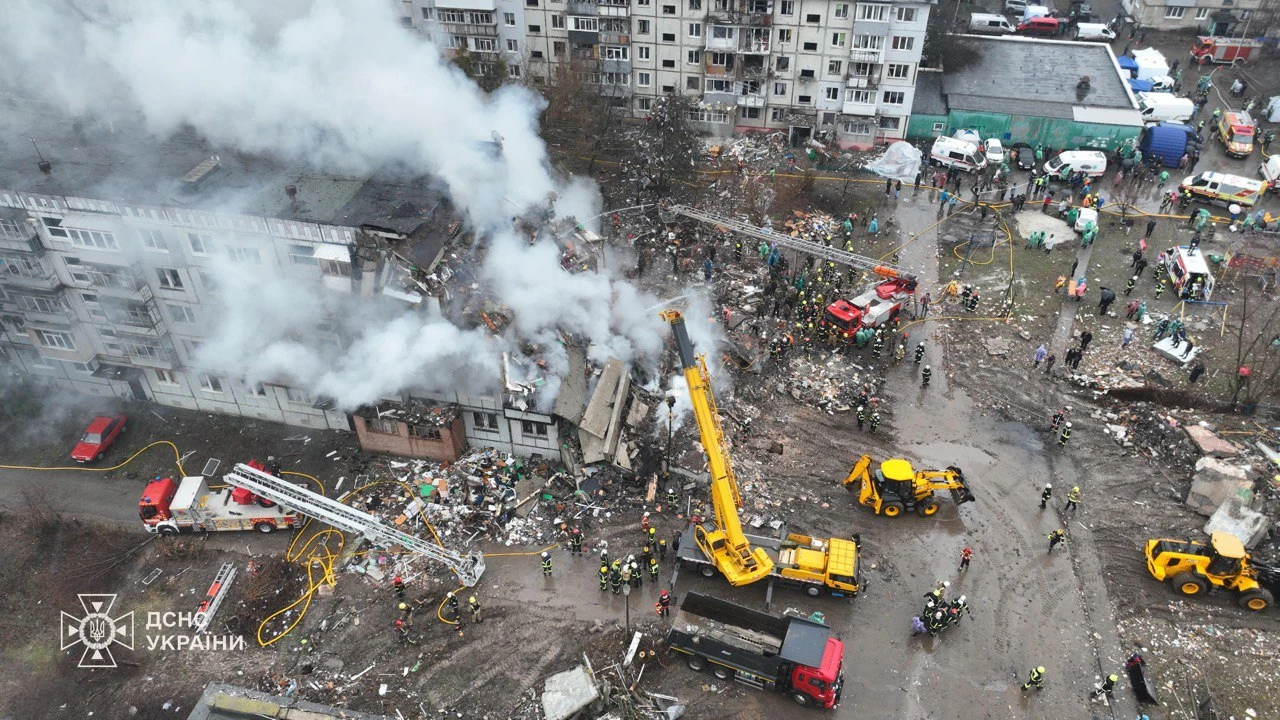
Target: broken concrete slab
x,y
1214,481
999,346
1234,516
1209,443
568,692
1173,350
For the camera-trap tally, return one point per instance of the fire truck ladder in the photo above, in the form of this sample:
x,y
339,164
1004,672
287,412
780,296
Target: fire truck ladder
x,y
213,599
468,567
818,250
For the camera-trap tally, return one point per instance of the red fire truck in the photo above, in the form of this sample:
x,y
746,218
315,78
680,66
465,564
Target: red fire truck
x,y
1222,50
873,308
169,507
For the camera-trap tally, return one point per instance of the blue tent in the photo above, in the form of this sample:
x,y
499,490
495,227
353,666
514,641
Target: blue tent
x,y
1128,63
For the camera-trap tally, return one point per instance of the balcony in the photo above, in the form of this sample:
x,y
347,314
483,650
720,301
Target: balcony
x,y
735,17
581,7
874,56
613,9
163,358
25,240
613,38
617,91
63,317
29,273
864,81
615,66
751,101
853,107
728,97
879,28
470,29
722,44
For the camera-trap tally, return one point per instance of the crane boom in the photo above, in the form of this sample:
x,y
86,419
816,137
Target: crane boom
x,y
824,252
727,545
468,567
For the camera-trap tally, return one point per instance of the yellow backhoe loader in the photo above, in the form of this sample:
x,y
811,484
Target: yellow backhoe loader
x,y
1193,568
895,488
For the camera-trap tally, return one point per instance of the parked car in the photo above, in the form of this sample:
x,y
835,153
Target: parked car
x,y
993,150
1023,156
1081,13
98,438
1087,216
1015,7
1038,26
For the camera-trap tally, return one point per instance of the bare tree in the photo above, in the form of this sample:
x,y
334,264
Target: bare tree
x,y
668,146
1257,345
578,120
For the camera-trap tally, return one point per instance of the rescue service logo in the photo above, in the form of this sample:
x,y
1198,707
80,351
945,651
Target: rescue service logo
x,y
97,631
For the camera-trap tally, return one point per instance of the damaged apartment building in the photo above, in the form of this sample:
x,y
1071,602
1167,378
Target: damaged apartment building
x,y
107,244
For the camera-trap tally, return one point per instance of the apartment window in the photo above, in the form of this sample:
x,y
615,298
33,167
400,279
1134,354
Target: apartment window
x,y
838,39
302,254
695,4
586,24
831,93
642,52
193,348
841,11
557,22
210,383
669,64
93,306
535,29
643,79
784,35
903,42
835,67
714,85
200,244
92,239
253,389
426,432
872,12
694,57
382,426
668,9
481,18
531,3
1173,13
642,27
895,70
643,3
893,97
513,46
905,14
813,18
617,52
806,73
53,226
42,305
719,59
533,428
485,421
181,313
509,19
804,100
692,82
169,278
779,88
862,97
644,103
245,255
890,123
782,63
809,47
721,32
335,268
557,49
166,377
452,16
484,44
1202,13
298,396
749,113
537,55
868,42
777,114
154,240
668,37
695,29
788,7
668,89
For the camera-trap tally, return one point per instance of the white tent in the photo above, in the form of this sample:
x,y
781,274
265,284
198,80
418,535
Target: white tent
x,y
901,161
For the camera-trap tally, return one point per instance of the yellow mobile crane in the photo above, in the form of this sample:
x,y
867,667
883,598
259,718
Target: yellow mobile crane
x,y
743,559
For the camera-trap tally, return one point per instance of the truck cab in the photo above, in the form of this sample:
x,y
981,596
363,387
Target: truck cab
x,y
1236,130
843,318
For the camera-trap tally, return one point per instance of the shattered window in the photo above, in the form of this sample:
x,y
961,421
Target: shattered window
x,y
384,426
429,432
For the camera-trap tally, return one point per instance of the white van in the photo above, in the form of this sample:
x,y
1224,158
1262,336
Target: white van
x,y
1161,106
950,152
1034,11
989,24
1094,31
1089,162
1015,7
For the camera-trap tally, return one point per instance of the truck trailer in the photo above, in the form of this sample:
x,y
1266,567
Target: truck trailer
x,y
791,655
815,565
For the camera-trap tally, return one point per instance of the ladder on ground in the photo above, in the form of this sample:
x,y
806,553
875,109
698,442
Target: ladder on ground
x,y
213,599
816,249
468,567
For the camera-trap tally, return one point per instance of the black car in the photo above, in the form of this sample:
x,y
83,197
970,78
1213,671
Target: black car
x,y
1026,158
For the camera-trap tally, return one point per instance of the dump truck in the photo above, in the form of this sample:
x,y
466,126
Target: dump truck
x,y
802,658
1194,568
895,487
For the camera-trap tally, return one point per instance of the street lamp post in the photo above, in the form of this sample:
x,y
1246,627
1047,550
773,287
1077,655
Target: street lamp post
x,y
626,595
666,459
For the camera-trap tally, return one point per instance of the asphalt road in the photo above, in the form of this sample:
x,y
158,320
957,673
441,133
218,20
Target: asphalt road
x,y
76,494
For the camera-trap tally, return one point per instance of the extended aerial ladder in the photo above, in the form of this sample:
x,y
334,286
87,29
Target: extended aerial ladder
x,y
468,567
818,250
726,544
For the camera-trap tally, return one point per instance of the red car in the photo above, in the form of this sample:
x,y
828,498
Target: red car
x,y
1038,26
98,437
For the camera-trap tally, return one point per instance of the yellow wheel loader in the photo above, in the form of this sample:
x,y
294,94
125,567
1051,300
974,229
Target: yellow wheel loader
x,y
1194,568
895,487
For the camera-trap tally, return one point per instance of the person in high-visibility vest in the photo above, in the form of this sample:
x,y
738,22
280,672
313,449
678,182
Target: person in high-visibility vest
x,y
1036,679
546,564
1065,436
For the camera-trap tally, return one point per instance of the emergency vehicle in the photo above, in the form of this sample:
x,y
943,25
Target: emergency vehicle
x,y
1189,273
1223,189
169,507
873,308
1236,131
1222,50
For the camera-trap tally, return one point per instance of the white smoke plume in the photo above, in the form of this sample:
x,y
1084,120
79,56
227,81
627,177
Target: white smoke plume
x,y
339,86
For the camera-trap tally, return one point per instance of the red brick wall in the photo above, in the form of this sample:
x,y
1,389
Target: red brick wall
x,y
447,449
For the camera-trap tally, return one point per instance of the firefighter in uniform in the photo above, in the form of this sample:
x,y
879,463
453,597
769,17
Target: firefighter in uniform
x,y
875,421
925,375
653,569
878,346
673,497
1073,499
474,607
604,577
1128,287
575,541
1107,688
1036,679
398,584
900,353
1160,288
453,604
1055,537
919,352
1058,417
663,605
546,564
862,415
1045,495
662,548
615,577
1065,436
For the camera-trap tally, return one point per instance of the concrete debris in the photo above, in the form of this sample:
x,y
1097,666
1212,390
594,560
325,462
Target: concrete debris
x,y
1214,482
1236,517
1210,444
1174,350
999,346
567,692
